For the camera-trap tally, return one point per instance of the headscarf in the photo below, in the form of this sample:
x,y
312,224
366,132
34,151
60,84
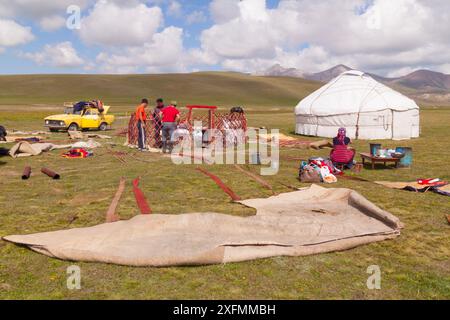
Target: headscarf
x,y
342,134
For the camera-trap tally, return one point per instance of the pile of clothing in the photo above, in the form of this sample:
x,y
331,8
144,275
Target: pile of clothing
x,y
78,153
82,150
318,170
79,107
90,144
437,186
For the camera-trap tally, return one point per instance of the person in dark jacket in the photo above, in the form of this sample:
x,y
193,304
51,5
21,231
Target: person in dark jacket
x,y
3,133
341,138
158,122
79,107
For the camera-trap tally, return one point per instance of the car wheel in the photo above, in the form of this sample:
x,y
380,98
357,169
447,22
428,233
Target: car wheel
x,y
73,127
103,126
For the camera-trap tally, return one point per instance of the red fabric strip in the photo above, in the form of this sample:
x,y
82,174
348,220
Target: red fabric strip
x,y
141,200
222,185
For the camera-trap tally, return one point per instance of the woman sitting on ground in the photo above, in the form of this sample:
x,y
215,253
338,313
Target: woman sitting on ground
x,y
341,138
342,154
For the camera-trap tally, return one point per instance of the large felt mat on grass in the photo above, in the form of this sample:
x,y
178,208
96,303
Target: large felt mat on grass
x,y
305,222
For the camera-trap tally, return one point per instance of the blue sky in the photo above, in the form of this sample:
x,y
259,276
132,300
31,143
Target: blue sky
x,y
12,61
155,36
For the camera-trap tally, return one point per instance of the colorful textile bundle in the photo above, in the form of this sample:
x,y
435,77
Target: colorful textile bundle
x,y
432,182
318,170
78,153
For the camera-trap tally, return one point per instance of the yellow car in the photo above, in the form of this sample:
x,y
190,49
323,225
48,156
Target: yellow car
x,y
90,118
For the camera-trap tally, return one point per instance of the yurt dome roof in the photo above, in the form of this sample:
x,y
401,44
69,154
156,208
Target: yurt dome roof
x,y
353,92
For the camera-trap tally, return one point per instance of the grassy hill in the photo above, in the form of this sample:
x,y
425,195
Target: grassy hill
x,y
216,88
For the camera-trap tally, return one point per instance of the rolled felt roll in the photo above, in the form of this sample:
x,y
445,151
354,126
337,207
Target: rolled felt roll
x,y
26,173
50,173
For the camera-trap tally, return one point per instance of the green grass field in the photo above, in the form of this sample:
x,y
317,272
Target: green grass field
x,y
414,266
197,88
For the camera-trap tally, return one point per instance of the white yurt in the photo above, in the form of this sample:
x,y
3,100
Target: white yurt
x,y
366,108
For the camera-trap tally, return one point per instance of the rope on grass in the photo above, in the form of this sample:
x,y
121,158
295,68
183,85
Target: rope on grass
x,y
111,215
255,177
131,155
345,177
120,156
289,186
221,184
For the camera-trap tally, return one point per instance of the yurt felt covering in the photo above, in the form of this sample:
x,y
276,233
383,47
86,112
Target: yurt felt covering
x,y
309,221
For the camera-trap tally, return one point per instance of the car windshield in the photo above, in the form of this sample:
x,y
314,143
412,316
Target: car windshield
x,y
90,112
68,110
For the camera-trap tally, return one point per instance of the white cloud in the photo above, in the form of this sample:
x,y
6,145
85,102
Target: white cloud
x,y
383,36
224,10
380,35
196,16
174,8
445,68
131,39
401,72
198,57
154,2
14,34
42,11
111,24
249,35
385,26
52,23
61,55
37,9
164,53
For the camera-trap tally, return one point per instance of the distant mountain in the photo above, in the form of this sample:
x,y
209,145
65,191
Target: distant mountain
x,y
424,80
424,85
278,71
328,75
